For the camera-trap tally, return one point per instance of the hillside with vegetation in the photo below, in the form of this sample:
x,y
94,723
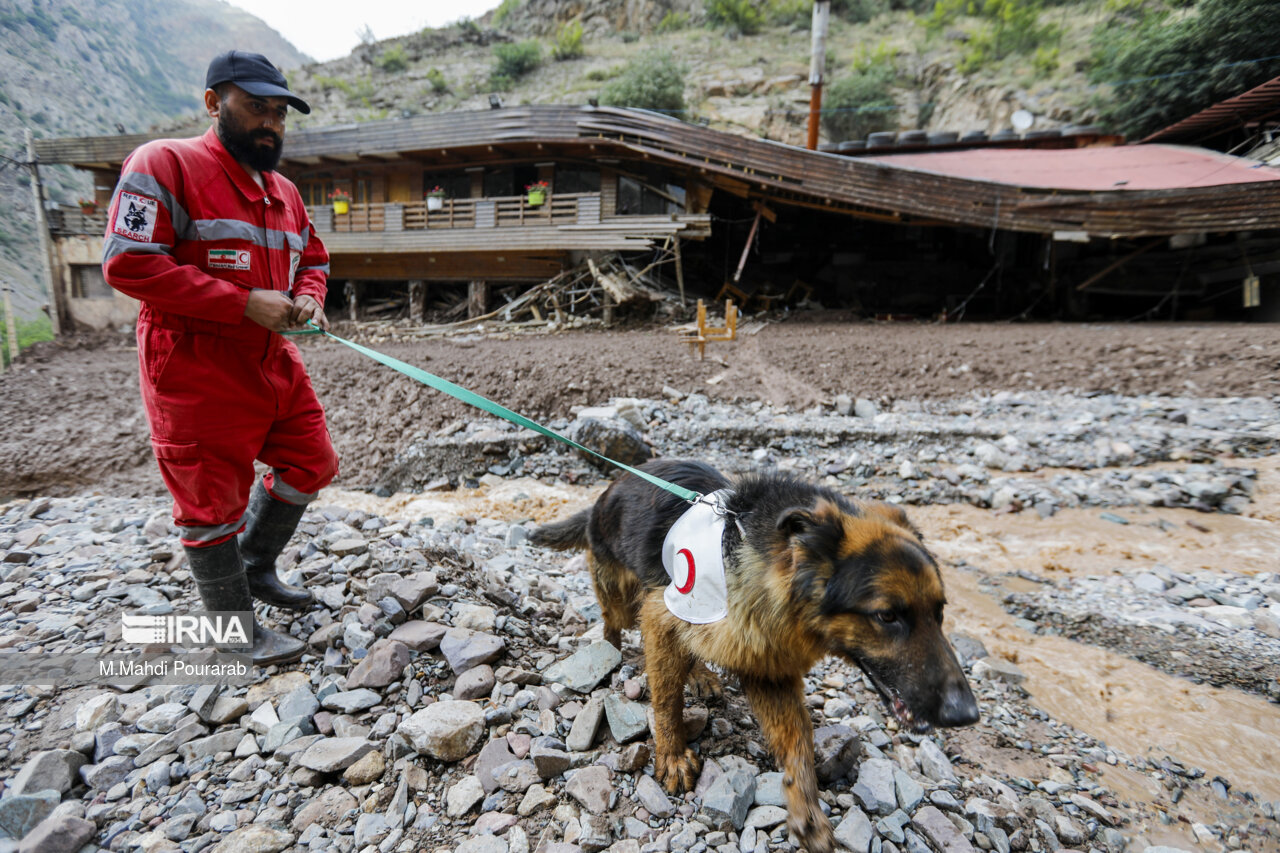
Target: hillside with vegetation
x,y
84,67
742,65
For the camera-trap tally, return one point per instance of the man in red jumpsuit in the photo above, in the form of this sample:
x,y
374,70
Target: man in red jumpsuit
x,y
222,255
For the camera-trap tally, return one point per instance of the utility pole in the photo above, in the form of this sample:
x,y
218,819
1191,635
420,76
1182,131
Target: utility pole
x,y
42,229
817,62
11,326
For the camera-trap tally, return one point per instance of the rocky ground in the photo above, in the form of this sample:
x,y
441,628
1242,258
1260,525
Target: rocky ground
x,y
1109,559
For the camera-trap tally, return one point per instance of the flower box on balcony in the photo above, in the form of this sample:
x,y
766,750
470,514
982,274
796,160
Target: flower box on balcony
x,y
537,193
341,201
435,198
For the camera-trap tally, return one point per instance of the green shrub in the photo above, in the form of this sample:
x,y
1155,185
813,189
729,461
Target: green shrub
x,y
629,37
791,13
599,75
568,41
435,77
672,21
514,61
651,81
1164,67
739,16
860,104
29,332
859,11
1006,27
392,59
505,8
1045,61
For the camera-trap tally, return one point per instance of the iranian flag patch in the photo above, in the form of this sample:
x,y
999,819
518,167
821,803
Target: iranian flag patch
x,y
229,259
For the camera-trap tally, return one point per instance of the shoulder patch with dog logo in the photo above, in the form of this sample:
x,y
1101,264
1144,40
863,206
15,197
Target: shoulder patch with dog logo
x,y
693,555
136,217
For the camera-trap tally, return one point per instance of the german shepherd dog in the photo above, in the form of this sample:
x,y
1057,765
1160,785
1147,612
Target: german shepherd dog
x,y
809,573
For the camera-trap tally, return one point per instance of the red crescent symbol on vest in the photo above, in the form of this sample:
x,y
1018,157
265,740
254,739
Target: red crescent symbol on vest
x,y
688,584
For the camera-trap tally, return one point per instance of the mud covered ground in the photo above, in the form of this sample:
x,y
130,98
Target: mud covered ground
x,y
71,420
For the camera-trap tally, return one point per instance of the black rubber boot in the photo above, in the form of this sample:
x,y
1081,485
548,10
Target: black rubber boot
x,y
269,524
220,578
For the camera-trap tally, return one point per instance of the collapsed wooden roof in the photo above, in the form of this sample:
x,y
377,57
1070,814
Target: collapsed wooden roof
x,y
888,189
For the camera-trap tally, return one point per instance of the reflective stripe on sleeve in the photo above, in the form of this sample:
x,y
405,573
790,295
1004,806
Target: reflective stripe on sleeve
x,y
324,268
113,246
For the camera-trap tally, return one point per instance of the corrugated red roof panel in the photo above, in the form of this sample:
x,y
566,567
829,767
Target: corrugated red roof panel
x,y
1258,104
1125,167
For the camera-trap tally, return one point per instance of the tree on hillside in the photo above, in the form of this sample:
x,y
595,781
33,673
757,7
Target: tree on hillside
x,y
1195,59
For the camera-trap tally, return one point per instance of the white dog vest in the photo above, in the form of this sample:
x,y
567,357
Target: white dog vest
x,y
693,555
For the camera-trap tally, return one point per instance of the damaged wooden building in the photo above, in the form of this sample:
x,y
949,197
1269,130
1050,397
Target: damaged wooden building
x,y
470,208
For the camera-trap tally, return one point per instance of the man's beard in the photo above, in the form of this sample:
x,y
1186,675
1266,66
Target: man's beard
x,y
243,145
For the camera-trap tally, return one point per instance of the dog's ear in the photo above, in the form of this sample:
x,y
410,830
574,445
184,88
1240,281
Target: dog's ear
x,y
895,515
794,520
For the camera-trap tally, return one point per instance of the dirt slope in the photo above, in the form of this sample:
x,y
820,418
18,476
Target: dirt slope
x,y
70,418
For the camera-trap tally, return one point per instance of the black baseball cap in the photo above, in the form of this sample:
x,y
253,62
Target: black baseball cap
x,y
254,73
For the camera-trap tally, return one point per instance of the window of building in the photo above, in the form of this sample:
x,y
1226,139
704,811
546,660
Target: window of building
x,y
648,198
456,184
315,188
575,178
87,282
499,181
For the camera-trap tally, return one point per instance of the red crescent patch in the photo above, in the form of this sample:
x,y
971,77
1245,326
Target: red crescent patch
x,y
688,584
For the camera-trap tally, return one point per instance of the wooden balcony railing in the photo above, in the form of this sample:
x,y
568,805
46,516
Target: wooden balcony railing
x,y
72,220
498,212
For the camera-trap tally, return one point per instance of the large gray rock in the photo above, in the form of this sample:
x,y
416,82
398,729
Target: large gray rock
x,y
586,668
351,701
370,829
941,831
61,833
583,733
627,719
420,636
836,748
611,437
475,683
336,753
934,762
726,803
463,796
384,664
855,831
517,776
652,796
465,649
254,838
327,809
52,770
225,741
445,730
96,711
162,719
592,787
300,702
496,753
108,772
875,786
21,813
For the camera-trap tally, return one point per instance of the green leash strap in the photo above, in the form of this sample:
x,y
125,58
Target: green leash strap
x,y
473,399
